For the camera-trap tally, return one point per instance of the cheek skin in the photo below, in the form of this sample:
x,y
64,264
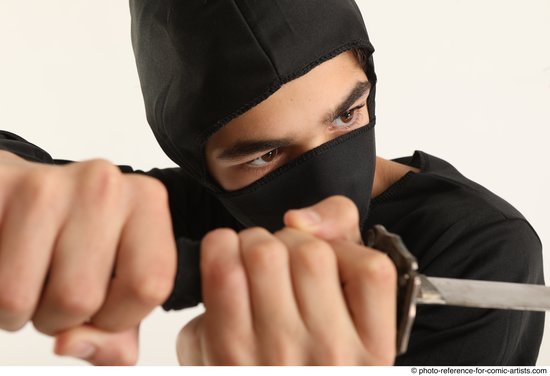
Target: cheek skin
x,y
217,171
228,179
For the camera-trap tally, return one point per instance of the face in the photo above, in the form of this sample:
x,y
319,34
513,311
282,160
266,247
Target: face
x,y
325,103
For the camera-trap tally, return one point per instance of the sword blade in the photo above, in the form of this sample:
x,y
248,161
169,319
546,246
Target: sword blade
x,y
483,294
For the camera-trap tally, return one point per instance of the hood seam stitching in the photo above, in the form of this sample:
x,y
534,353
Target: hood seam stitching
x,y
203,137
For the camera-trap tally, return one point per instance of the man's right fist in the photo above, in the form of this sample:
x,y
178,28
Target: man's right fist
x,y
81,243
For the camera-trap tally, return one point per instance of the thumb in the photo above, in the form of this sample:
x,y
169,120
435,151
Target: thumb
x,y
334,218
99,347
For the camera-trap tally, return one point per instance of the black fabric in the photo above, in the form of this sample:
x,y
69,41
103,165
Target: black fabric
x,y
24,149
454,227
202,63
328,170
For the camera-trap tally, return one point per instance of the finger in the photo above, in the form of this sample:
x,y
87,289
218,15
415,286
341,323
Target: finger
x,y
83,259
188,343
369,281
335,218
228,317
316,284
274,308
99,347
30,223
146,260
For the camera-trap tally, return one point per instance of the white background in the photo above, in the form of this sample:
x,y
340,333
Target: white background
x,y
468,81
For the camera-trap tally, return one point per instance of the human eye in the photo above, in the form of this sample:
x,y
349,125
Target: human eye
x,y
348,118
264,160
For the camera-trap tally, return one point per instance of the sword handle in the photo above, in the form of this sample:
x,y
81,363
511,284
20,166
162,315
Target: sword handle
x,y
408,282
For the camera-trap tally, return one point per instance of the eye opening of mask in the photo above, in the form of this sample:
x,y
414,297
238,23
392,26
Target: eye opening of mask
x,y
321,149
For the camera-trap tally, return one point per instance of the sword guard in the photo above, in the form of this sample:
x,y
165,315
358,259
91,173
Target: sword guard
x,y
408,280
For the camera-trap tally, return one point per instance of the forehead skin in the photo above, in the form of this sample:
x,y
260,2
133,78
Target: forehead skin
x,y
297,111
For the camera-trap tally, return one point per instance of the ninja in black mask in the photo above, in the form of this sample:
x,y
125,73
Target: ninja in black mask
x,y
221,59
233,95
268,106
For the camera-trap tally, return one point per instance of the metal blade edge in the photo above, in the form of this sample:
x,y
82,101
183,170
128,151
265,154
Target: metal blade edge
x,y
483,294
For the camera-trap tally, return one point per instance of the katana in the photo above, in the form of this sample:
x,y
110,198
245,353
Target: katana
x,y
414,288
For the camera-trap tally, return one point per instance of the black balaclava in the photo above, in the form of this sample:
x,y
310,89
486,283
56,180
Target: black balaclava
x,y
202,63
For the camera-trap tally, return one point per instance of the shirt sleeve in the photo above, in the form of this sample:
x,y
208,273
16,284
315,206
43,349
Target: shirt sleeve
x,y
194,212
506,250
22,148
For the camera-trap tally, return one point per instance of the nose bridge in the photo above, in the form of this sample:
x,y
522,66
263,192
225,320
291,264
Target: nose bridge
x,y
316,139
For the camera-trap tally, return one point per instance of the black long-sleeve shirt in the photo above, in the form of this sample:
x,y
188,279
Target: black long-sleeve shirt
x,y
453,226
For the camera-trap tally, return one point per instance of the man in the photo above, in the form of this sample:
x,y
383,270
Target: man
x,y
263,119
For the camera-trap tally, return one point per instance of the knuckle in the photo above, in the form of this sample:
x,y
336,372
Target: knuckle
x,y
151,289
152,189
99,167
265,254
102,180
315,257
223,276
43,327
41,187
214,243
346,205
125,356
15,308
377,268
218,238
149,195
13,326
230,355
115,354
254,231
78,301
13,302
349,212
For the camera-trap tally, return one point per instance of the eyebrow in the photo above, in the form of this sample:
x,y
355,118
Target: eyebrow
x,y
245,148
360,89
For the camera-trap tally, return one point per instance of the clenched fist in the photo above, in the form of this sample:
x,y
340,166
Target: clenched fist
x,y
81,243
310,294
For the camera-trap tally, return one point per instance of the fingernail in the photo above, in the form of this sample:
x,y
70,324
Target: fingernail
x,y
82,350
309,217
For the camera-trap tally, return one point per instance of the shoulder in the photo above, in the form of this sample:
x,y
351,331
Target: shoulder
x,y
456,227
450,189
